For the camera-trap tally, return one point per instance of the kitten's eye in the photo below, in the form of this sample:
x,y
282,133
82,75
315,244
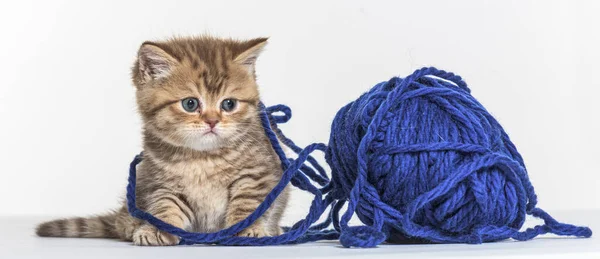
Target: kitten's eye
x,y
228,104
190,104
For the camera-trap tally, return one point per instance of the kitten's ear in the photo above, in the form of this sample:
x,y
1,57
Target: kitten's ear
x,y
250,51
154,63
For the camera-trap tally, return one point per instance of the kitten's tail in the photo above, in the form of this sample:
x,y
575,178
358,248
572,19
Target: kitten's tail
x,y
103,226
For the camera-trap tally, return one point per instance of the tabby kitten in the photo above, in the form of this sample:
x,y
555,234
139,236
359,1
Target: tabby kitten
x,y
207,163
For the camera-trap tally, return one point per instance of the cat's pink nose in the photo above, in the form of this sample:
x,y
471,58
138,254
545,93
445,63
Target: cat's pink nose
x,y
211,122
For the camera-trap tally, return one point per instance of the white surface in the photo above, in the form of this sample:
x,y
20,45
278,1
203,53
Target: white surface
x,y
69,126
17,241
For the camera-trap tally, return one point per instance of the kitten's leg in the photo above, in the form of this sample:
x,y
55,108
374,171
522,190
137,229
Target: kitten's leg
x,y
246,193
126,224
276,212
170,208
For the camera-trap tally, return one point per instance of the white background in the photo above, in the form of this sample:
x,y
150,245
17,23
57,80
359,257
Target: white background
x,y
68,123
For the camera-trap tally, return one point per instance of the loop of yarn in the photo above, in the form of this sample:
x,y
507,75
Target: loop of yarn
x,y
416,159
362,236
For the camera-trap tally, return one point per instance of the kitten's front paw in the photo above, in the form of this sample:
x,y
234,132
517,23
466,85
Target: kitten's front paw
x,y
148,235
254,231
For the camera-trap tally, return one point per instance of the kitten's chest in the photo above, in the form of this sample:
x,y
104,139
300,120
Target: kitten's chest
x,y
210,206
208,196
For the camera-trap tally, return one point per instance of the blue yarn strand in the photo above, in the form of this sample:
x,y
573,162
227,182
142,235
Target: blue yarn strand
x,y
416,159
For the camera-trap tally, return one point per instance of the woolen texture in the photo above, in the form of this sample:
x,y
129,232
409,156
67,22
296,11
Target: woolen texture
x,y
416,159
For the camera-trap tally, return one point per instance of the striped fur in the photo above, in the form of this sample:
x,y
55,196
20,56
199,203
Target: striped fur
x,y
191,177
98,226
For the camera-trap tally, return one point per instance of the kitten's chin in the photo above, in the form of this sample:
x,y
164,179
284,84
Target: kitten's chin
x,y
207,142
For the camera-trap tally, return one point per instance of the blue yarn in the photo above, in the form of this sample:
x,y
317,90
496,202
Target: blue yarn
x,y
416,159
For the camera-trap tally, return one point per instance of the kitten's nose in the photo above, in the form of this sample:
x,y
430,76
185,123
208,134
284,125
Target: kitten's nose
x,y
211,122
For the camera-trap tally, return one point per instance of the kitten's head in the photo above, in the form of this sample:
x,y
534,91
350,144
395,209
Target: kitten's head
x,y
198,93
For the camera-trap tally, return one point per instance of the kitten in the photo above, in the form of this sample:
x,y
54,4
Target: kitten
x,y
207,163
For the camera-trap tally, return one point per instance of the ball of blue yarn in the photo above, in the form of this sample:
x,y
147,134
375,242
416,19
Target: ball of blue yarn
x,y
420,159
416,159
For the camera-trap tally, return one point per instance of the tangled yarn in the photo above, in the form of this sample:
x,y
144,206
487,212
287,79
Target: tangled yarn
x,y
416,159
